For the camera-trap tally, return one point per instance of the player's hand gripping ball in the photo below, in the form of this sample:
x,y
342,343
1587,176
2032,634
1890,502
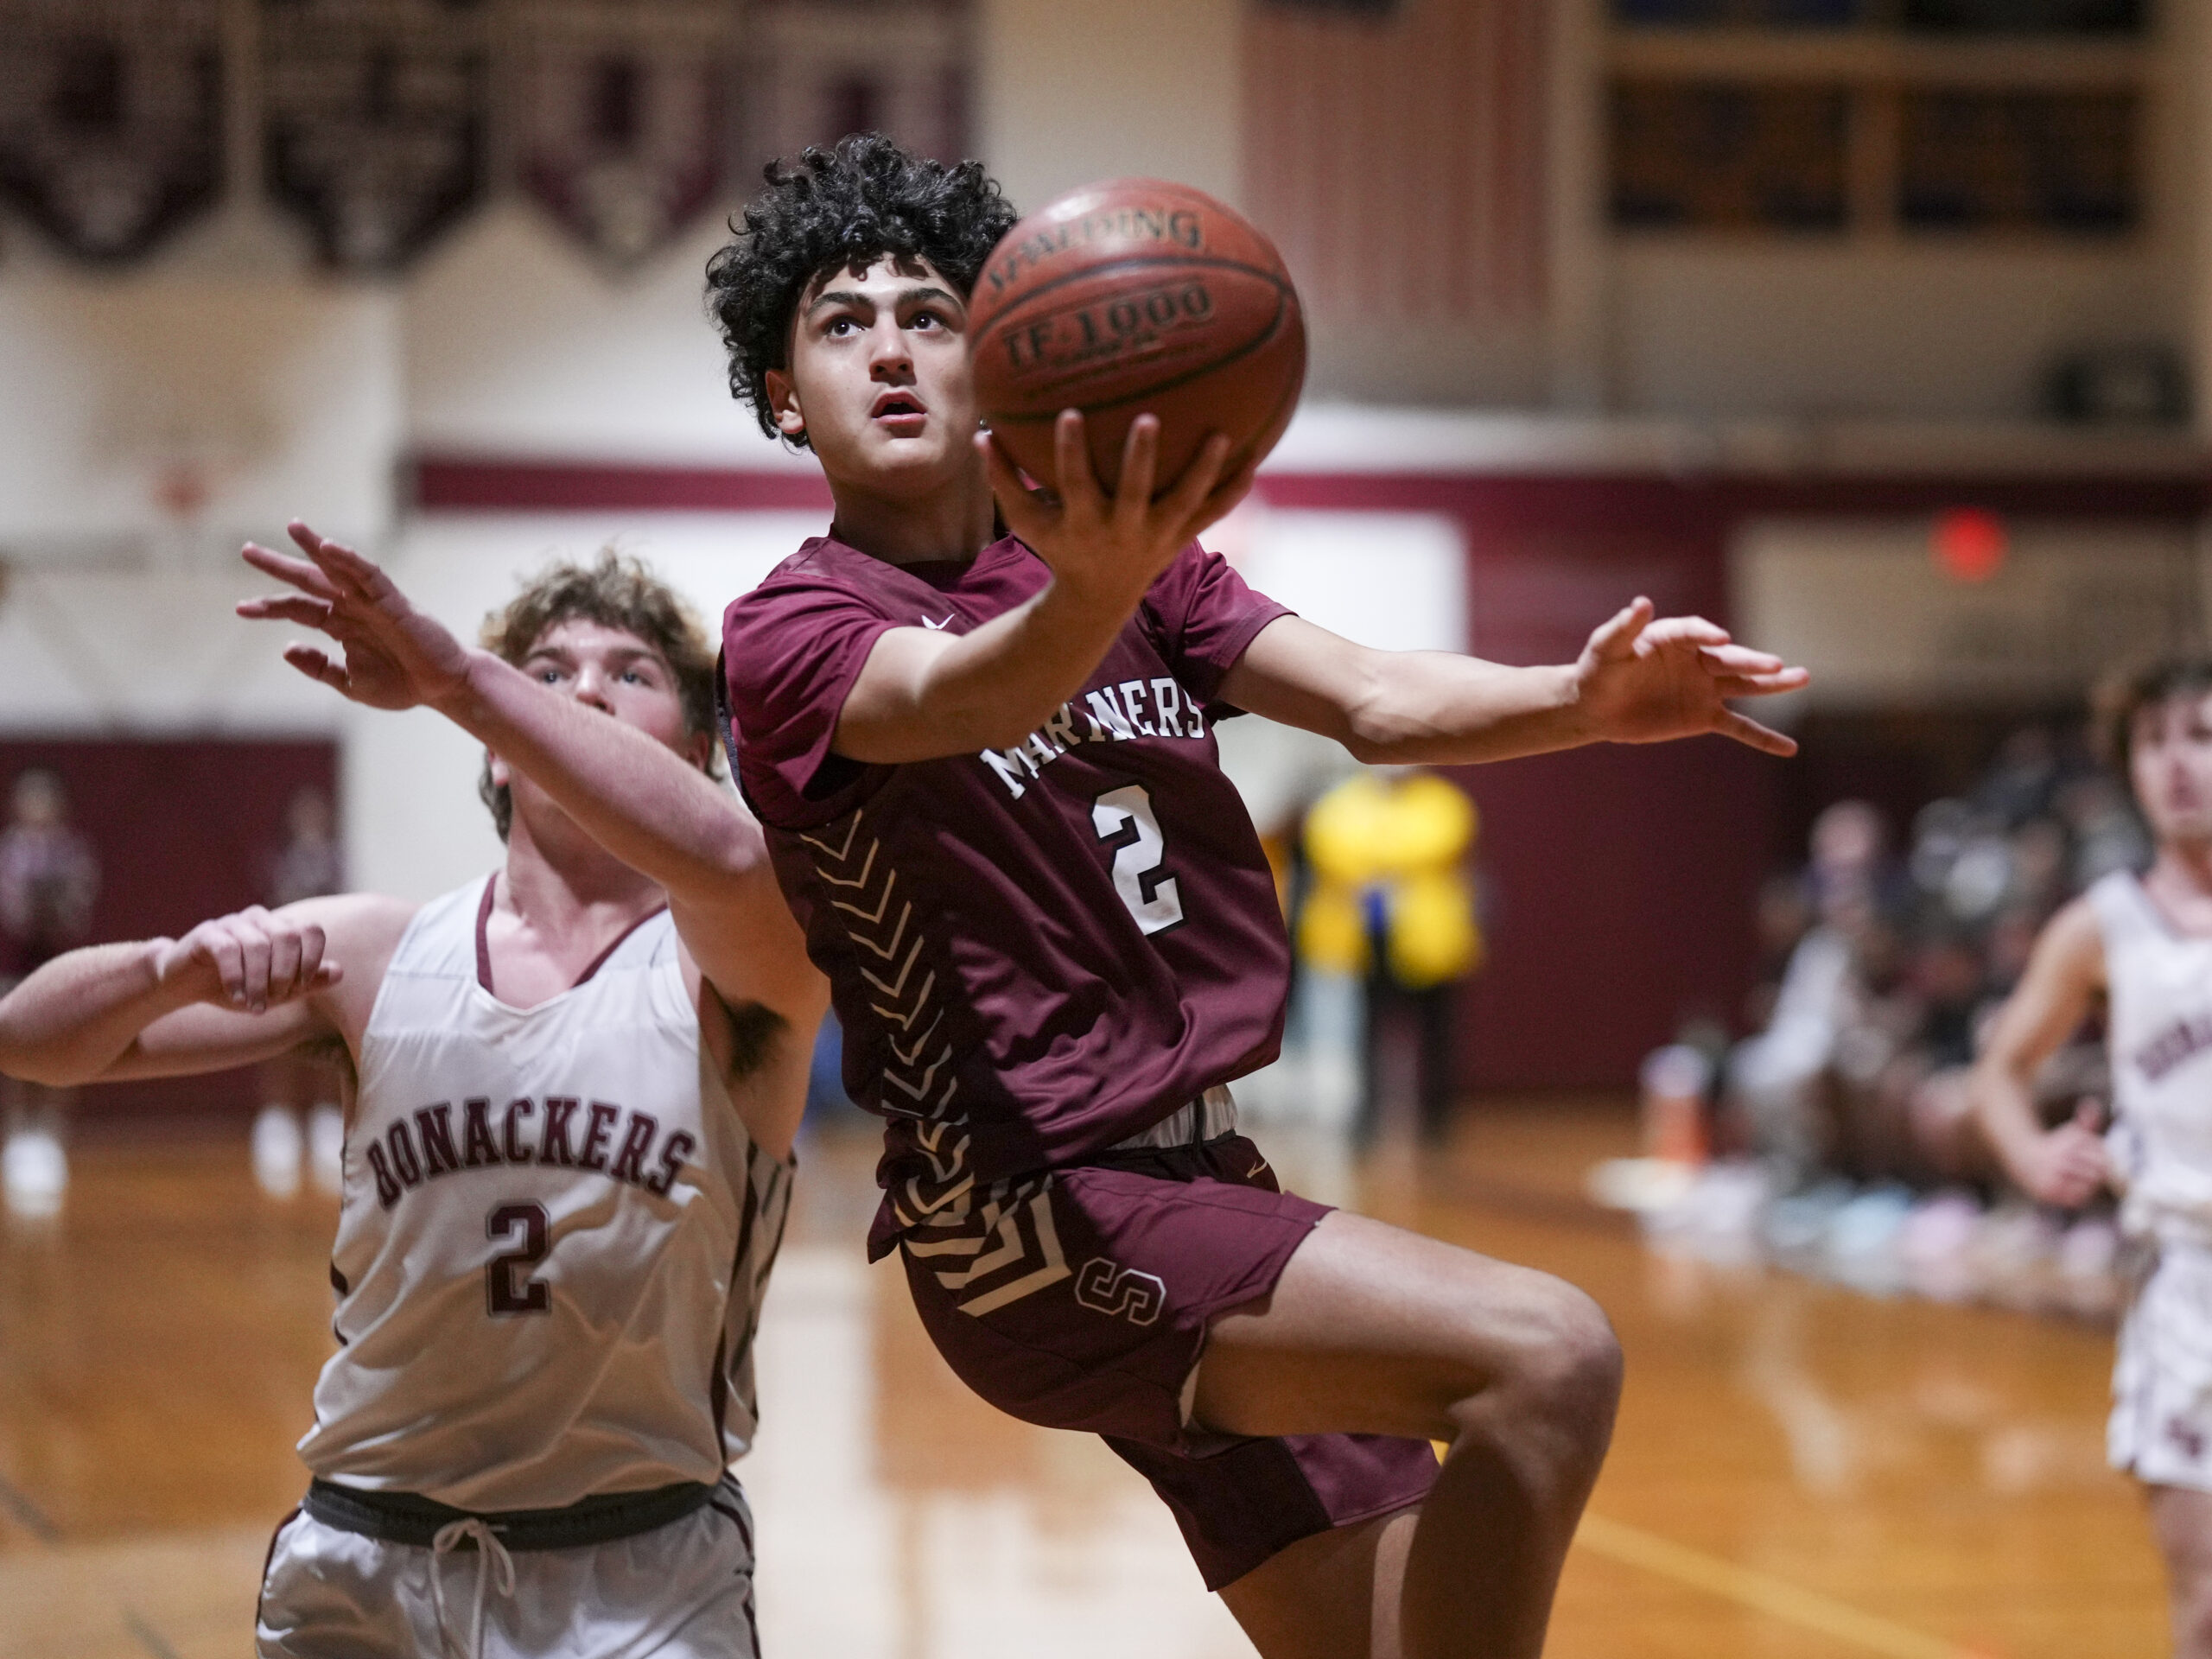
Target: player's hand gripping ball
x,y
1130,297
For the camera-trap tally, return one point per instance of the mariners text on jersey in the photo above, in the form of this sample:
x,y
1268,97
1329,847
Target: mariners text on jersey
x,y
1112,713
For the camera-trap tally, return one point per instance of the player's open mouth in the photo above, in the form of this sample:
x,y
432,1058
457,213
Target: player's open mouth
x,y
901,411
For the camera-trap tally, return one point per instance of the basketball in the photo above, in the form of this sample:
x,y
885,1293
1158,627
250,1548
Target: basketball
x,y
1131,295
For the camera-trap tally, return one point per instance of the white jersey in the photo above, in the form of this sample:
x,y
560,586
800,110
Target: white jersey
x,y
2159,1031
554,1238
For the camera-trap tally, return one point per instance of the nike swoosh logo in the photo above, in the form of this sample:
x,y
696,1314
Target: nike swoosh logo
x,y
940,626
1259,1168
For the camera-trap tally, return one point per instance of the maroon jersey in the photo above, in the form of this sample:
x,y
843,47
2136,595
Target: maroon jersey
x,y
1038,952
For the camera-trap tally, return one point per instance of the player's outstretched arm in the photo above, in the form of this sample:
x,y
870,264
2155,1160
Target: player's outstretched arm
x,y
1639,680
922,694
2065,1165
634,796
233,990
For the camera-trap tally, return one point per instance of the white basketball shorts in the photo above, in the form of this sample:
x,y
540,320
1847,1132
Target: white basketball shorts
x,y
683,1591
2161,1427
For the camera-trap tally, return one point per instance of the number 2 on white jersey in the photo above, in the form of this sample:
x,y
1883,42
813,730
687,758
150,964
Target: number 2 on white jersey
x,y
502,1292
1124,820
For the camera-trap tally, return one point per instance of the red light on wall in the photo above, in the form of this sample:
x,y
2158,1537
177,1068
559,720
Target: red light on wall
x,y
1969,543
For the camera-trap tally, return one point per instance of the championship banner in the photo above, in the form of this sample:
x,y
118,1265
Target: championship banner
x,y
375,116
621,117
111,119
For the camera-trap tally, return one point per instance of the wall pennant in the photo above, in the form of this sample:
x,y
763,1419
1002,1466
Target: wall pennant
x,y
111,119
621,117
375,121
817,71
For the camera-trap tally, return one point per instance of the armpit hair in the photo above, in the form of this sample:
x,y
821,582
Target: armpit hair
x,y
756,1033
330,1050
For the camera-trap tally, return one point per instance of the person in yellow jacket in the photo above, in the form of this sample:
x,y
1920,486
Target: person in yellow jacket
x,y
1391,902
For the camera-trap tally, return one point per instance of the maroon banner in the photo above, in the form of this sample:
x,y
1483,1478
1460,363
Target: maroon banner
x,y
816,73
375,116
621,109
111,119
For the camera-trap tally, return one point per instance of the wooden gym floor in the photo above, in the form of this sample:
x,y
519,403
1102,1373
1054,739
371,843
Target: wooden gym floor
x,y
1800,1472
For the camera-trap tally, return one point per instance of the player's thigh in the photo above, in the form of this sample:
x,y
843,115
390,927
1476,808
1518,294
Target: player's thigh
x,y
331,1594
683,1590
1332,1596
721,1622
1372,1328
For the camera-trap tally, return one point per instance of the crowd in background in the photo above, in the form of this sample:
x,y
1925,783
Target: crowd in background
x,y
1883,961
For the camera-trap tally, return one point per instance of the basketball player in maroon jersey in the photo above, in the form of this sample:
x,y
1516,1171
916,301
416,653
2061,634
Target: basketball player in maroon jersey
x,y
986,770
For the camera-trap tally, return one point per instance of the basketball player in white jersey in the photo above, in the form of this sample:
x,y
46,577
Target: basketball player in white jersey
x,y
2145,945
567,1165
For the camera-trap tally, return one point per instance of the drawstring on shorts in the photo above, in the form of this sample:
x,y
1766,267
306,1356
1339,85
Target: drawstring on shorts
x,y
492,1562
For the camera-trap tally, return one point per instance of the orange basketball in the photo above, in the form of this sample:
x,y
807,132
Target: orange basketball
x,y
1130,297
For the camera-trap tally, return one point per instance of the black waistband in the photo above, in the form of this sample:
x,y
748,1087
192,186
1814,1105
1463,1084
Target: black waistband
x,y
406,1518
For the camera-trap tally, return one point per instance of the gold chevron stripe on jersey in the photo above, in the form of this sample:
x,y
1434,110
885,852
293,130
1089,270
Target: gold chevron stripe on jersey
x,y
1012,1246
864,887
1010,1239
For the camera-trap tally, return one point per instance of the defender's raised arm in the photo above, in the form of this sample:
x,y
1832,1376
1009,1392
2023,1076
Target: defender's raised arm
x,y
633,794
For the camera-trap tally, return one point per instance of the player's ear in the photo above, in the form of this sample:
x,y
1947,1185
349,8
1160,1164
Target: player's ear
x,y
496,769
782,401
699,749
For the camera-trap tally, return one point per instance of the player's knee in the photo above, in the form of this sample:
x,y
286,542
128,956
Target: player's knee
x,y
1564,1365
1582,1368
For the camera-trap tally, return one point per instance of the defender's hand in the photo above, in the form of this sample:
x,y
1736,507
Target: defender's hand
x,y
1638,681
2067,1165
394,656
1113,549
250,960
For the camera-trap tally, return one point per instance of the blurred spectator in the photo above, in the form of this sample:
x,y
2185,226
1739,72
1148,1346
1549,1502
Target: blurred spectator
x,y
2105,832
1315,1084
1392,901
1777,1079
2022,779
301,1087
307,865
49,878
1846,871
1783,917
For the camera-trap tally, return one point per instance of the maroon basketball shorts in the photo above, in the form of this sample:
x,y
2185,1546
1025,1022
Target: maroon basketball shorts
x,y
1078,1297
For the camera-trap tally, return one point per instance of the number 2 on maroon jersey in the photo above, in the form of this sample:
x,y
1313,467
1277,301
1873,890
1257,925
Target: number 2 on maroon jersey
x,y
1124,820
500,1293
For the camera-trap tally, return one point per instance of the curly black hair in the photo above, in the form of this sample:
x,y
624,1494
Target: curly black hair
x,y
845,206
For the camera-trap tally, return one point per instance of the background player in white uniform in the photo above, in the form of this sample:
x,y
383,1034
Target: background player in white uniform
x,y
2145,945
567,1165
